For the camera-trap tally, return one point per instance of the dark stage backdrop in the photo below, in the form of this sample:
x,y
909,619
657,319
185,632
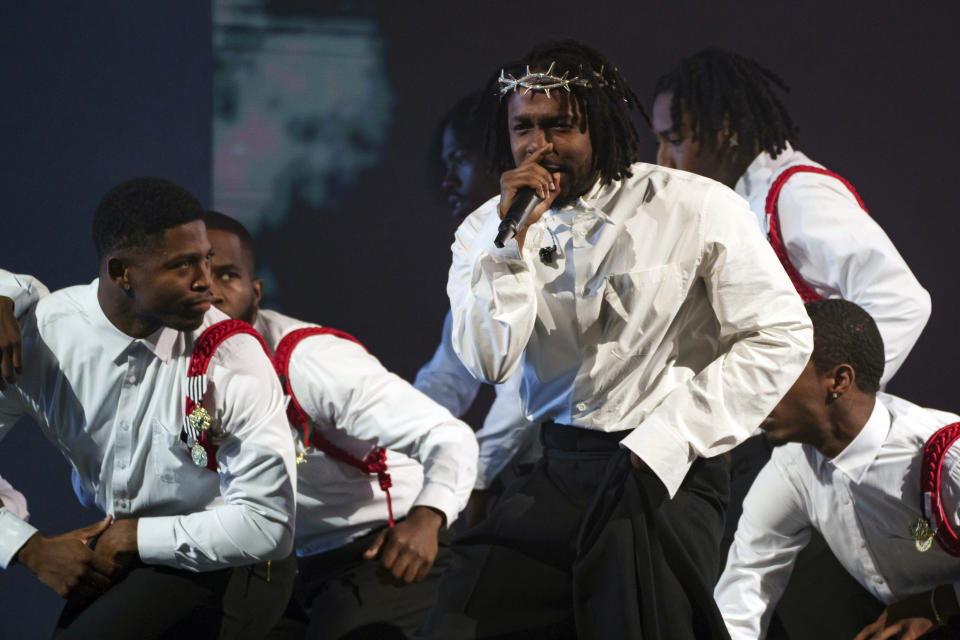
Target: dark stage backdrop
x,y
95,93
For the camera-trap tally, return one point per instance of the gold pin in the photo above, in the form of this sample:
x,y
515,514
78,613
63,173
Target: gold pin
x,y
921,534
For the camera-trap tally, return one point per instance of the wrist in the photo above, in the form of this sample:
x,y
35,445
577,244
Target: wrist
x,y
26,554
427,516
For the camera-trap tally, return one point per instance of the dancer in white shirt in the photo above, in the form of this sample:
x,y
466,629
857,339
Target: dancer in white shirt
x,y
105,378
647,314
852,471
345,535
508,441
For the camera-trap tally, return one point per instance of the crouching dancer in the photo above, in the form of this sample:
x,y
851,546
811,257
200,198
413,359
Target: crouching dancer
x,y
385,470
866,470
197,473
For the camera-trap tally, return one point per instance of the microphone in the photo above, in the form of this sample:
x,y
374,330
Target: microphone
x,y
520,209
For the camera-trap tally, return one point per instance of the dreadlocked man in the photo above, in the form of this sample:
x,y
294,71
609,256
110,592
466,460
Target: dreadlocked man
x,y
718,114
653,328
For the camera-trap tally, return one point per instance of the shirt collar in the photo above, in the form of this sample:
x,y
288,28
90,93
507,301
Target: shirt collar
x,y
161,342
761,171
857,456
596,199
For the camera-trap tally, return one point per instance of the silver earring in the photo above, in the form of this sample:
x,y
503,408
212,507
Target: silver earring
x,y
834,395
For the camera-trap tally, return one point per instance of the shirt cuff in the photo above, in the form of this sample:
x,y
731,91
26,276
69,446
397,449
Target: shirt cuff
x,y
155,541
438,497
14,533
486,235
660,448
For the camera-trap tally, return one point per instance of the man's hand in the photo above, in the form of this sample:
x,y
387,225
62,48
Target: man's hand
x,y
529,174
65,563
117,547
910,618
407,550
10,350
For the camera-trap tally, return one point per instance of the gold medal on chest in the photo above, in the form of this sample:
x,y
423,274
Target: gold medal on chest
x,y
922,534
200,418
199,455
200,421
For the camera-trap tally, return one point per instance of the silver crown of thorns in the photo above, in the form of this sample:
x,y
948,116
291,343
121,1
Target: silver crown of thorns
x,y
542,81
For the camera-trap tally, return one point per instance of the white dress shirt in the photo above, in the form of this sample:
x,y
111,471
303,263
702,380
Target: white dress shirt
x,y
114,406
840,250
863,501
664,311
506,434
25,291
13,500
358,405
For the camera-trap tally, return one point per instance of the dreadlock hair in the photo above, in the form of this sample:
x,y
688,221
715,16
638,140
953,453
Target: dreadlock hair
x,y
843,333
604,104
136,212
217,221
718,88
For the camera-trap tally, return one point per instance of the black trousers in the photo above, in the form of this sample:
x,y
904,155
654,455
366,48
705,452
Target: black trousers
x,y
585,546
339,595
162,602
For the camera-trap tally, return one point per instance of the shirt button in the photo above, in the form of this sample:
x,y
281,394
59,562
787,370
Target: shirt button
x,y
124,427
581,406
131,379
122,464
122,504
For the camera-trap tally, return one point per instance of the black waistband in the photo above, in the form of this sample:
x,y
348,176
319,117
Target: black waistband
x,y
567,437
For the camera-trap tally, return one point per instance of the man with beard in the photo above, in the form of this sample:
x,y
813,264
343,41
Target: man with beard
x,y
508,441
653,326
384,469
106,380
853,470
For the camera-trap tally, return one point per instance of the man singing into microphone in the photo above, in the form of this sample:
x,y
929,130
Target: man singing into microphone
x,y
653,325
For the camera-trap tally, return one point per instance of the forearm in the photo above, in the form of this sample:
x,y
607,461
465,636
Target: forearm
x,y
493,301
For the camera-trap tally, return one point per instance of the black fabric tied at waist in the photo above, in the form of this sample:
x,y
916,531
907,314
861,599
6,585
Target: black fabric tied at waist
x,y
572,439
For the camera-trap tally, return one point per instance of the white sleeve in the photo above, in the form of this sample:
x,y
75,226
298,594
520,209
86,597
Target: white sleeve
x,y
257,473
505,432
492,297
23,290
13,500
763,320
341,385
444,379
14,530
842,251
771,532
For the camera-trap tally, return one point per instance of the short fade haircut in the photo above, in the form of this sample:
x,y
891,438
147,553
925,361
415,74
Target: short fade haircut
x,y
136,212
843,333
604,106
217,221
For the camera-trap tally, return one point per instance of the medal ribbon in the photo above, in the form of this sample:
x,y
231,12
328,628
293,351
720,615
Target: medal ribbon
x,y
197,419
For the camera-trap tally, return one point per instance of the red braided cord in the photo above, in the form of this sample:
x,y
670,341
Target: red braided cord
x,y
773,218
375,462
931,474
203,350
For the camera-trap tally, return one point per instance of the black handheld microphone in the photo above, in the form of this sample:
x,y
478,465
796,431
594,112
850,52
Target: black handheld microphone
x,y
520,209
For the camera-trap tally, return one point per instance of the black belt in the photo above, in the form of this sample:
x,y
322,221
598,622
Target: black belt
x,y
567,437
